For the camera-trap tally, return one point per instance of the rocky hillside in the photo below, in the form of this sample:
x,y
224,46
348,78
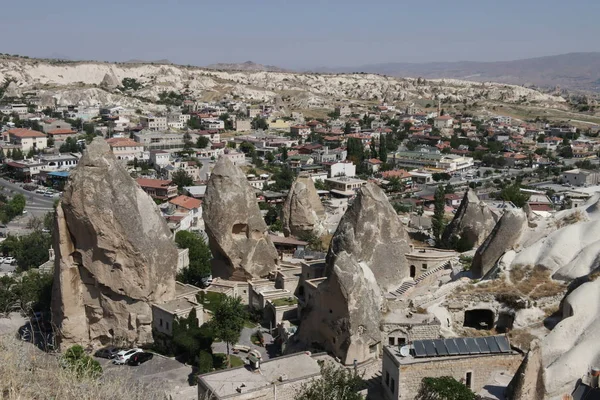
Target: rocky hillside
x,y
95,83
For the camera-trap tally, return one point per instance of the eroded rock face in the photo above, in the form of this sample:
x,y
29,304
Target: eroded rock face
x,y
110,81
236,230
365,258
472,223
372,232
114,255
345,313
303,213
569,350
503,237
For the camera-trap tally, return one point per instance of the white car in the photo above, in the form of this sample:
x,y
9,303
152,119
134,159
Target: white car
x,y
124,355
9,260
1,260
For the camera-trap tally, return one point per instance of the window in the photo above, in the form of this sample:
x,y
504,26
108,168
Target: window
x,y
401,341
167,325
387,378
468,379
391,341
373,348
160,322
424,266
393,385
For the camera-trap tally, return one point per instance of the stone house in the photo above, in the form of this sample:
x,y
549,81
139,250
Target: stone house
x,y
157,188
127,149
163,315
27,139
472,361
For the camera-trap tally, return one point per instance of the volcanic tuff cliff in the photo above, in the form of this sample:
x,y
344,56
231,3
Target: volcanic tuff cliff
x,y
366,256
471,224
237,232
114,255
79,83
303,213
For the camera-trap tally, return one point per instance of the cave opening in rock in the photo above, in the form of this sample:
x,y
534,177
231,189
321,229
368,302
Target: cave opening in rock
x,y
505,322
239,229
479,319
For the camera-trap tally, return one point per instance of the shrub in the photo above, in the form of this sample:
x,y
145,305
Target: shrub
x,y
80,363
205,362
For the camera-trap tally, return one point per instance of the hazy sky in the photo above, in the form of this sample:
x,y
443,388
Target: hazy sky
x,y
299,34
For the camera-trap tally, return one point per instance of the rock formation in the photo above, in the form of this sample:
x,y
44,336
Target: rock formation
x,y
344,314
472,223
110,81
114,255
12,90
303,213
569,350
366,257
237,232
372,232
503,237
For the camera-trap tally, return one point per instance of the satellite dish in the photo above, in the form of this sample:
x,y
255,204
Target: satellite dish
x,y
405,351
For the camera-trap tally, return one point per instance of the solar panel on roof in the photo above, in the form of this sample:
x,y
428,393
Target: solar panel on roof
x,y
503,343
472,346
419,349
440,346
491,342
430,348
483,346
462,346
451,347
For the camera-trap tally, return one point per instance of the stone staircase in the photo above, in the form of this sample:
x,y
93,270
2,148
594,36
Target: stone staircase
x,y
407,285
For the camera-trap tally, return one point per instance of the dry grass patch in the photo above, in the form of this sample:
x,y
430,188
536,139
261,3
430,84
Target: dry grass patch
x,y
521,338
28,373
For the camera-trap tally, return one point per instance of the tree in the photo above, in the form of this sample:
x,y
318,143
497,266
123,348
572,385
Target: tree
x,y
80,363
347,128
260,123
444,388
131,83
247,148
270,157
199,256
284,153
383,148
202,142
272,216
335,383
228,321
70,146
181,178
513,193
449,189
437,222
394,184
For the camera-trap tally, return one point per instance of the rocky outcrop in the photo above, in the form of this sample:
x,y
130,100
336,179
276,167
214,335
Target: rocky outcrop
x,y
237,232
503,237
365,258
344,314
569,350
303,213
12,91
528,381
472,223
114,255
110,81
372,232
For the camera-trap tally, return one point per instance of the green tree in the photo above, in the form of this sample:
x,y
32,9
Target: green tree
x,y
70,146
270,157
449,189
437,223
335,383
247,148
80,363
32,250
260,123
202,142
513,193
284,154
131,83
444,388
271,216
228,321
181,178
205,362
199,255
383,148
394,184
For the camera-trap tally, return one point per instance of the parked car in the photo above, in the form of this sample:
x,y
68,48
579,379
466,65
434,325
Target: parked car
x,y
123,356
107,352
1,260
139,358
9,260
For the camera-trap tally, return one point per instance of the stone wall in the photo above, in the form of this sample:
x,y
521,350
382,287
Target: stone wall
x,y
287,390
409,332
408,376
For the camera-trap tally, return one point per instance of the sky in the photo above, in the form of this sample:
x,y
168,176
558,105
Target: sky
x,y
299,34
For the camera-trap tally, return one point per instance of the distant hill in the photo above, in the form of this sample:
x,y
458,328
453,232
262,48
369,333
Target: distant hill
x,y
246,66
579,71
134,61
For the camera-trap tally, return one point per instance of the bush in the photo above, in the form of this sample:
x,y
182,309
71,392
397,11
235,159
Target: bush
x,y
80,363
205,362
444,388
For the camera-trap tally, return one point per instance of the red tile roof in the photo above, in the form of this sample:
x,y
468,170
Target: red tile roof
x,y
25,133
397,173
186,202
153,183
374,161
122,142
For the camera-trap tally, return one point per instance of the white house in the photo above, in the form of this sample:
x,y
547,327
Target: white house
x,y
443,121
